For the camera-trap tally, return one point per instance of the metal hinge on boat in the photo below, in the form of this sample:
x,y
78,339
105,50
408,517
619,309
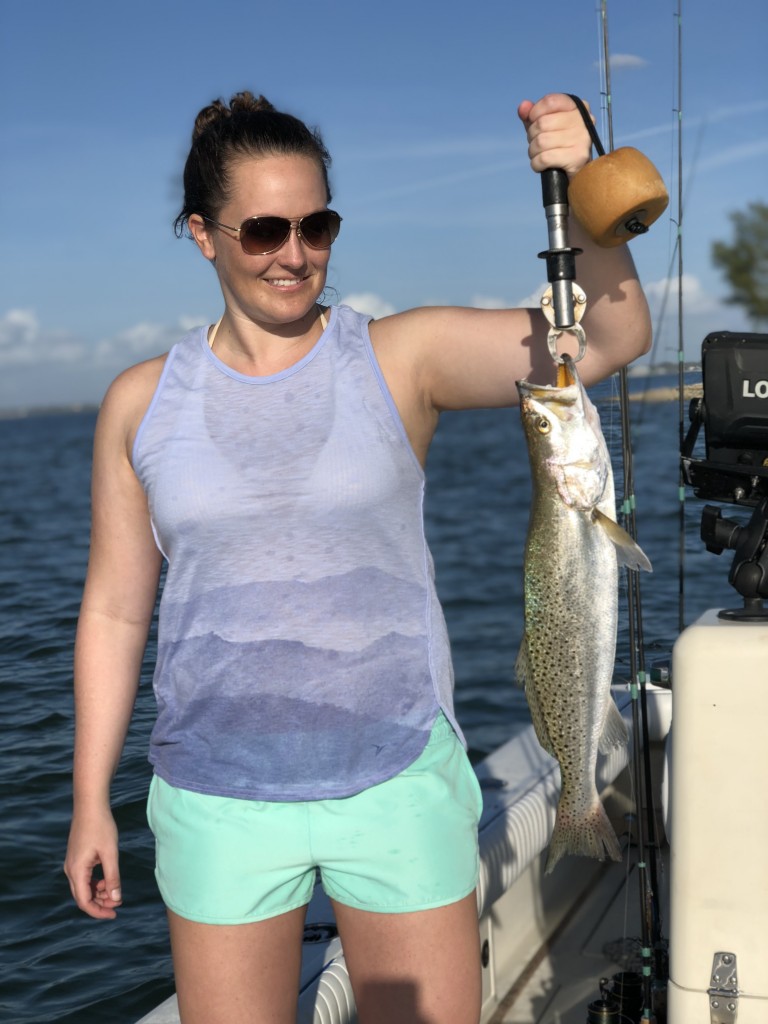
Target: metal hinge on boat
x,y
724,992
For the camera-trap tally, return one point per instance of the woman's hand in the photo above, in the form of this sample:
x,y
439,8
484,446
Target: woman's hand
x,y
92,844
557,135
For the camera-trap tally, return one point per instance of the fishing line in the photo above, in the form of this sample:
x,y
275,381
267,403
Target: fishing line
x,y
674,255
647,867
680,332
606,72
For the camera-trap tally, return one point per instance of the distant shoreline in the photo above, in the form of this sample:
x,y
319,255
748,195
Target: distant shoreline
x,y
667,394
28,412
662,394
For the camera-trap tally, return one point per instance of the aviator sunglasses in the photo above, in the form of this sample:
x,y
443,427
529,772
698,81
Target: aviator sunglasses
x,y
259,236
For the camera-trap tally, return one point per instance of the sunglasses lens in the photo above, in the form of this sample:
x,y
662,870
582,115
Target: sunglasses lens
x,y
261,235
320,229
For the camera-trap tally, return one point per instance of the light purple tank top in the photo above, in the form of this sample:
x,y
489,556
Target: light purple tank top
x,y
302,650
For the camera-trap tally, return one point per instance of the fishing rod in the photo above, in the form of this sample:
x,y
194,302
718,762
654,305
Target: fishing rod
x,y
654,949
611,216
680,333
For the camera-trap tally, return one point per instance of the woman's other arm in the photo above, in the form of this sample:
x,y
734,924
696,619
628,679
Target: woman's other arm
x,y
116,612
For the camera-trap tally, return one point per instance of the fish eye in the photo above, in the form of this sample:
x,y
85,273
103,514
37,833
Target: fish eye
x,y
543,425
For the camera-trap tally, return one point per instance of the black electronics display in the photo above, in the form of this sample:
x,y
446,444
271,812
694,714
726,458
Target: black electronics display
x,y
733,411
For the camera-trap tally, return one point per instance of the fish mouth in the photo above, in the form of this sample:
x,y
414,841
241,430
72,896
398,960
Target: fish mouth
x,y
567,377
566,372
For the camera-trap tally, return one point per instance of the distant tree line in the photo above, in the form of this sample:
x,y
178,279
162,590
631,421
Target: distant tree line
x,y
744,262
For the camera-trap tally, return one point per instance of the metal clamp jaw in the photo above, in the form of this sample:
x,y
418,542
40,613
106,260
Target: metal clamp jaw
x,y
577,304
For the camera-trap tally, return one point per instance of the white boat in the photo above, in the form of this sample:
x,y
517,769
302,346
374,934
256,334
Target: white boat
x,y
548,940
521,909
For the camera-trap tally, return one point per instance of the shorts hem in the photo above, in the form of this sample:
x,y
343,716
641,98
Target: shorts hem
x,y
249,919
411,908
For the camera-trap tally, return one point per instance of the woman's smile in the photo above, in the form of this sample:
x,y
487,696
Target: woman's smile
x,y
278,288
285,282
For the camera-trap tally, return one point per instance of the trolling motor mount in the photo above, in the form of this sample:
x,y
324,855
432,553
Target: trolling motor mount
x,y
749,571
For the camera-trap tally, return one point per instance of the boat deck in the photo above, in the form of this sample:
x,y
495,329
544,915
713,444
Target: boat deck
x,y
600,938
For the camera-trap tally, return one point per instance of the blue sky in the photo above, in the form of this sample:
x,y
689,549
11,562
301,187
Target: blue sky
x,y
417,103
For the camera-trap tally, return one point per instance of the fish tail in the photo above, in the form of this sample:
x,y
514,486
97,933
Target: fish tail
x,y
587,834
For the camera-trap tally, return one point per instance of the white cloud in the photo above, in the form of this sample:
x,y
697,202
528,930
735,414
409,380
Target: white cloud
x,y
663,294
623,62
23,342
488,302
703,313
370,303
142,341
619,61
495,302
533,300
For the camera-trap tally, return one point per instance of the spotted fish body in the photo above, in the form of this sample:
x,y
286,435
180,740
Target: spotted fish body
x,y
573,550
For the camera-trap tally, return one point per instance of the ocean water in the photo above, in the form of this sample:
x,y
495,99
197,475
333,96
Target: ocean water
x,y
57,965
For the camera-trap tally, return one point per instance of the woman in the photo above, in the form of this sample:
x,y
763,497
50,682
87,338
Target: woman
x,y
303,677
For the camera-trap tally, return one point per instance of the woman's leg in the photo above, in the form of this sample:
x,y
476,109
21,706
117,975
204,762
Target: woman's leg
x,y
238,974
414,968
232,861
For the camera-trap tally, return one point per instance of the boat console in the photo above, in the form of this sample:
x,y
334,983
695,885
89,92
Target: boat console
x,y
717,813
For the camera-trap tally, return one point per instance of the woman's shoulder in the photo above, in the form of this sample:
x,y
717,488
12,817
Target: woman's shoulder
x,y
131,392
128,397
137,384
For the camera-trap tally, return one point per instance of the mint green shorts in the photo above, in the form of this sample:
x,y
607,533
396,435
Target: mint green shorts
x,y
406,844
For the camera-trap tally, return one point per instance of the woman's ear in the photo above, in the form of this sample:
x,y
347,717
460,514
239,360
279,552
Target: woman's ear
x,y
201,231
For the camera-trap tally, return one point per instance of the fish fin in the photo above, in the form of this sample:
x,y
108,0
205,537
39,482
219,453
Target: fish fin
x,y
614,732
524,678
587,835
628,551
521,664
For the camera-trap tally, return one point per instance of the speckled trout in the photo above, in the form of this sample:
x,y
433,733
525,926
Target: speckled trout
x,y
572,553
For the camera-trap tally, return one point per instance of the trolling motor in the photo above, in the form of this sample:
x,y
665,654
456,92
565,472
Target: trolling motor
x,y
734,414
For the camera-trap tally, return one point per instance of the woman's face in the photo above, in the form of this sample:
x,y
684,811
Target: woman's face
x,y
280,288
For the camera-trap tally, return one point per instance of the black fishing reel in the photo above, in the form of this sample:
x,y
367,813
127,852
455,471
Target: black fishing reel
x,y
620,1002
